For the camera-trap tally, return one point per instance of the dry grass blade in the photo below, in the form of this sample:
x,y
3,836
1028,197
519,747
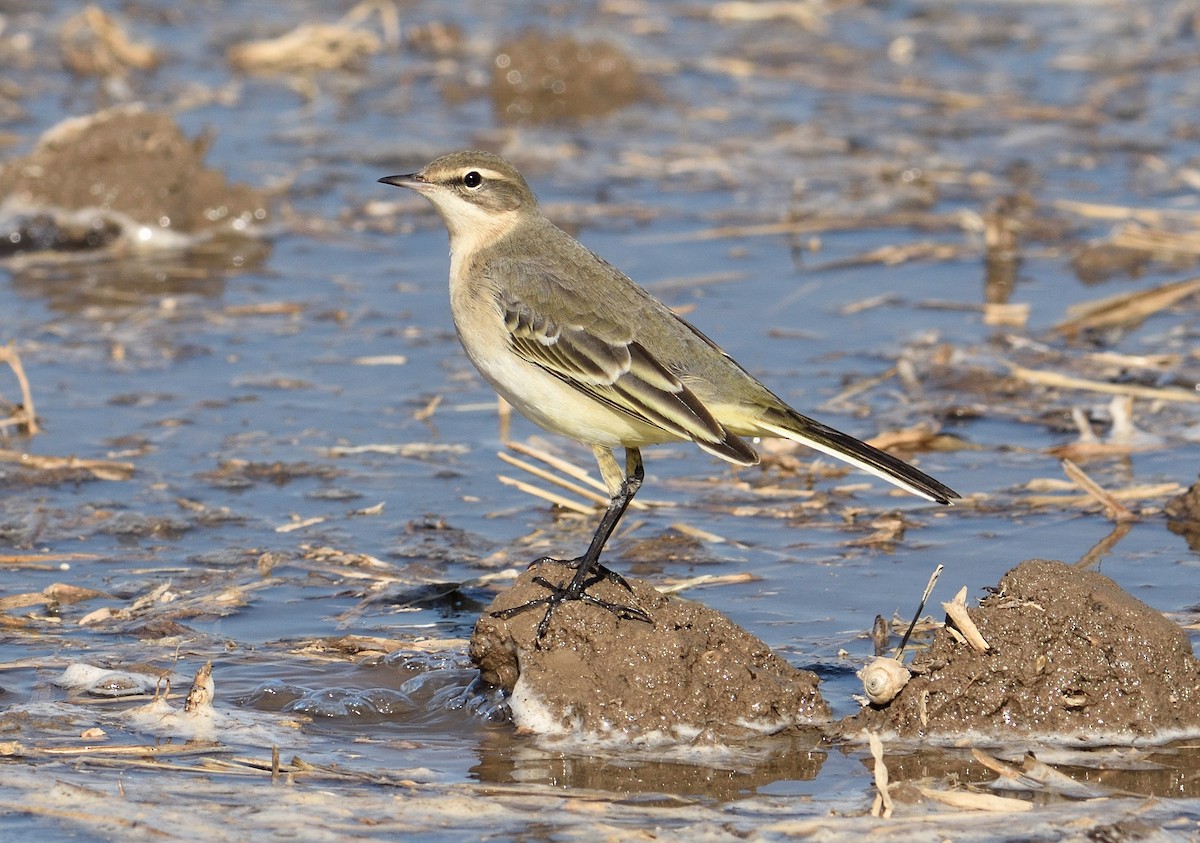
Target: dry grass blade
x,y
997,766
842,398
597,498
316,46
1057,379
810,15
697,533
100,469
1046,778
44,561
1006,314
300,523
546,495
1112,507
567,468
706,579
1149,216
265,308
95,44
1036,776
1155,491
975,801
818,224
85,819
1157,241
1128,309
141,751
550,477
893,255
381,360
411,450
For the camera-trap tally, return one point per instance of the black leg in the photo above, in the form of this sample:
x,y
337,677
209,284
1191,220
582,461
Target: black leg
x,y
588,570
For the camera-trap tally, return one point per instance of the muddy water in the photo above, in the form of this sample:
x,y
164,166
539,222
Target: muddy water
x,y
272,392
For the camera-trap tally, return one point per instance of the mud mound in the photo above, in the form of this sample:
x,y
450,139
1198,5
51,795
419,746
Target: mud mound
x,y
543,78
121,168
692,675
1183,515
1072,656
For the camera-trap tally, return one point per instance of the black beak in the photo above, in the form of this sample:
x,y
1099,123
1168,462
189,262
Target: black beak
x,y
410,180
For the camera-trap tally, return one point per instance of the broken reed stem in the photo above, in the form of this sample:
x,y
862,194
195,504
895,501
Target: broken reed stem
x,y
100,469
956,611
1112,507
1149,216
1068,382
546,495
1127,308
568,469
863,385
26,416
933,578
549,477
1156,491
706,579
967,800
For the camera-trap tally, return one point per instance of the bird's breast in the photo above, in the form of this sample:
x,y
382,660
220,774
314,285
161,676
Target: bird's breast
x,y
541,397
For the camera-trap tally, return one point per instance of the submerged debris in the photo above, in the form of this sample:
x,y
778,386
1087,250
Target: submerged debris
x,y
95,44
97,681
313,47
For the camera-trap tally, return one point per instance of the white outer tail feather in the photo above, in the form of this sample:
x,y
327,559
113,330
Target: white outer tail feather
x,y
784,433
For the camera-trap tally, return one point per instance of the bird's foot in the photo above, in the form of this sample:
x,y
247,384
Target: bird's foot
x,y
559,594
601,572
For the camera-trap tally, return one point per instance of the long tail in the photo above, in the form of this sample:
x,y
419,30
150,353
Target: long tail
x,y
791,425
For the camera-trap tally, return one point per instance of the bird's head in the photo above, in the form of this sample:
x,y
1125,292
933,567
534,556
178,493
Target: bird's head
x,y
480,196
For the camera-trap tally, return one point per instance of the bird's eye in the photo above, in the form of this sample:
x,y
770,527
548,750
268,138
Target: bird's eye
x,y
472,179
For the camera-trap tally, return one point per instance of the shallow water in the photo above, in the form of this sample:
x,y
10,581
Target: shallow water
x,y
160,362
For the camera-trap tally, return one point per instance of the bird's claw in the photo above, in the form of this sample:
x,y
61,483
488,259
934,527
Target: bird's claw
x,y
562,594
602,573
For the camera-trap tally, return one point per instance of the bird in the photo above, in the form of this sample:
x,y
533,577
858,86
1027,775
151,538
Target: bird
x,y
581,350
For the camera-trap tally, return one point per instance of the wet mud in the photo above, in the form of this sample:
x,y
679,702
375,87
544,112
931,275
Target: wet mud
x,y
127,173
265,451
1071,656
691,675
539,77
1183,515
1066,655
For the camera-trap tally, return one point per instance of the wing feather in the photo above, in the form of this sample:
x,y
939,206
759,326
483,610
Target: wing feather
x,y
602,359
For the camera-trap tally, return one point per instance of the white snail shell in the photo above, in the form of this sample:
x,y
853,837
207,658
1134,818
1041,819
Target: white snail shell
x,y
883,679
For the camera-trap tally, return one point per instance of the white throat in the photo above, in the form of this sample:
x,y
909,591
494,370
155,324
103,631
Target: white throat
x,y
473,228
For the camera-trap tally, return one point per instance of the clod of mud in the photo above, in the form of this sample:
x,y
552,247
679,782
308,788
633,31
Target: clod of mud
x,y
1072,656
693,675
120,174
1183,515
543,79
